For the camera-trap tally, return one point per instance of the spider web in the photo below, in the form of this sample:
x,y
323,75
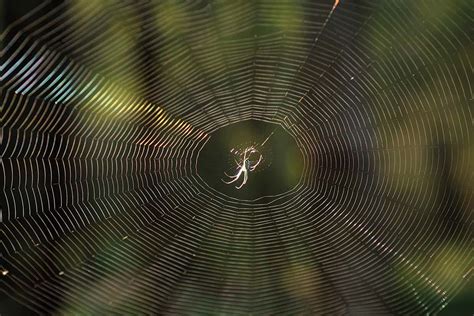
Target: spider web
x,y
107,104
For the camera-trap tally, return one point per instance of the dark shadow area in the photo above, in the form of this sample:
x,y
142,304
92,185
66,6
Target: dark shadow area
x,y
462,303
9,306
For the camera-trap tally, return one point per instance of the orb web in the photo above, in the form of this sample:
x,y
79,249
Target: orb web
x,y
106,106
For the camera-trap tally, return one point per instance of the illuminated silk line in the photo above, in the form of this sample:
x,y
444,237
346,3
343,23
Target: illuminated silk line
x,y
93,95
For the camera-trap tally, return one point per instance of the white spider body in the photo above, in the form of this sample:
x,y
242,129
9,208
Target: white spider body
x,y
244,168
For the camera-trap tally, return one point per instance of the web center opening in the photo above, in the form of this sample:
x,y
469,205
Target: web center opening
x,y
251,159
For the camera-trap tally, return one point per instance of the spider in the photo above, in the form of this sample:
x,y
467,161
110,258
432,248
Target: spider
x,y
244,168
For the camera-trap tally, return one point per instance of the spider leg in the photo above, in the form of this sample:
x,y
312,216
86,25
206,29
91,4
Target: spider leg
x,y
235,178
241,185
231,181
258,162
238,165
230,176
245,180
